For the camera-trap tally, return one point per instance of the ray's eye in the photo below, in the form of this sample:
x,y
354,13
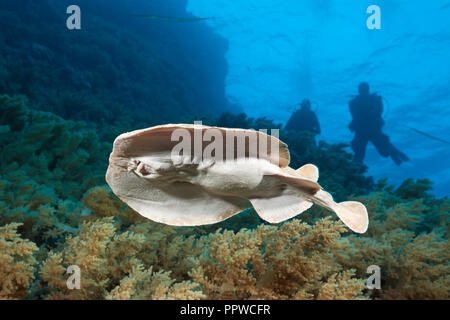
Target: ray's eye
x,y
140,168
144,169
132,165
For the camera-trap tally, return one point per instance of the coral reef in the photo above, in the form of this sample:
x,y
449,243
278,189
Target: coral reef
x,y
117,66
47,165
109,267
408,239
292,261
17,263
55,211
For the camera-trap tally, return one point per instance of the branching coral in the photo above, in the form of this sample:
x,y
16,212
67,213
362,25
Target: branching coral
x,y
47,164
123,256
292,261
109,268
17,263
414,258
63,154
146,284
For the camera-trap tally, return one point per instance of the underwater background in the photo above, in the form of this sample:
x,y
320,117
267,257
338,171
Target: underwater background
x,y
66,94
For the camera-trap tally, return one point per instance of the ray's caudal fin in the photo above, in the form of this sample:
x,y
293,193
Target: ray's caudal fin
x,y
352,213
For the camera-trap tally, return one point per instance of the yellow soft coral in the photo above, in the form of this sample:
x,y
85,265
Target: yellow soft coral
x,y
292,261
413,266
110,267
340,286
146,284
163,247
17,263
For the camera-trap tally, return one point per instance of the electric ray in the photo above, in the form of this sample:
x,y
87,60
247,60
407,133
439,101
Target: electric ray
x,y
187,175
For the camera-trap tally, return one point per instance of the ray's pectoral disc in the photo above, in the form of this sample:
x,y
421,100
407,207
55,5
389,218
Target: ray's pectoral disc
x,y
189,175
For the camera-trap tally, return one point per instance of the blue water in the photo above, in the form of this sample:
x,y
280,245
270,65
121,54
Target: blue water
x,y
66,94
282,52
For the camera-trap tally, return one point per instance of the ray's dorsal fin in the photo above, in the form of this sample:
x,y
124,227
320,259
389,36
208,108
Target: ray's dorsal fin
x,y
309,171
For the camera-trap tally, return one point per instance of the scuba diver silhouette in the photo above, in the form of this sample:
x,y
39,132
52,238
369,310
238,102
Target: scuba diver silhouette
x,y
367,110
304,119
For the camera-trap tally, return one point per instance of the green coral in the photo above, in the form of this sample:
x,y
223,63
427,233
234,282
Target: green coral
x,y
111,71
47,165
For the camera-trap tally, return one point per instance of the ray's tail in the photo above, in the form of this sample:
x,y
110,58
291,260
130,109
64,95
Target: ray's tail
x,y
293,201
352,213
